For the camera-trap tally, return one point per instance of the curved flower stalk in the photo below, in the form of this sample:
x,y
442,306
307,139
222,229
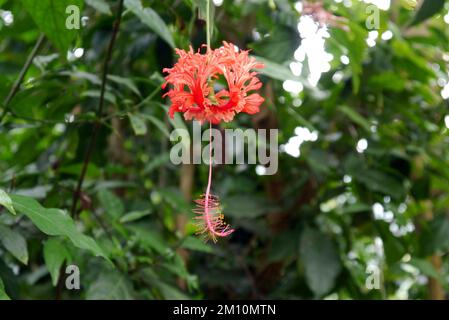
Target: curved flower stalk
x,y
192,80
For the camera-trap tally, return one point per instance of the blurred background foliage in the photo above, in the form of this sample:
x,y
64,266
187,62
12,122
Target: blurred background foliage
x,y
362,187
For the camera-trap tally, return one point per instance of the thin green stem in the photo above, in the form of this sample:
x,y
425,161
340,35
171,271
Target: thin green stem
x,y
15,88
97,124
208,24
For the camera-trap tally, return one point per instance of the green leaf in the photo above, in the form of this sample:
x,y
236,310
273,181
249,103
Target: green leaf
x,y
354,208
428,269
55,253
177,266
427,10
246,206
111,203
15,243
55,222
134,215
321,261
377,180
435,237
6,201
158,161
158,123
125,82
51,16
409,4
393,247
168,292
150,239
373,178
300,119
354,44
100,5
275,70
96,94
417,65
283,248
74,169
388,80
196,244
110,286
3,295
171,293
356,117
279,46
174,197
138,124
149,17
82,75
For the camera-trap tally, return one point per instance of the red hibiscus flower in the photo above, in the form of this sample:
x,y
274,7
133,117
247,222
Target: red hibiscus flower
x,y
195,75
193,80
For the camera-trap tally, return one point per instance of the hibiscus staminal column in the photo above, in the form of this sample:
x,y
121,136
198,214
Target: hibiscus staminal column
x,y
210,217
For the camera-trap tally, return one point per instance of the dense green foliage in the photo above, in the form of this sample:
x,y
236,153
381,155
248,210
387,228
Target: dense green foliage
x,y
371,192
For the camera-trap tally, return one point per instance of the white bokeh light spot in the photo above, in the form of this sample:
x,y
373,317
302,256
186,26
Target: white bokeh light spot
x,y
292,86
313,47
387,35
362,145
302,134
